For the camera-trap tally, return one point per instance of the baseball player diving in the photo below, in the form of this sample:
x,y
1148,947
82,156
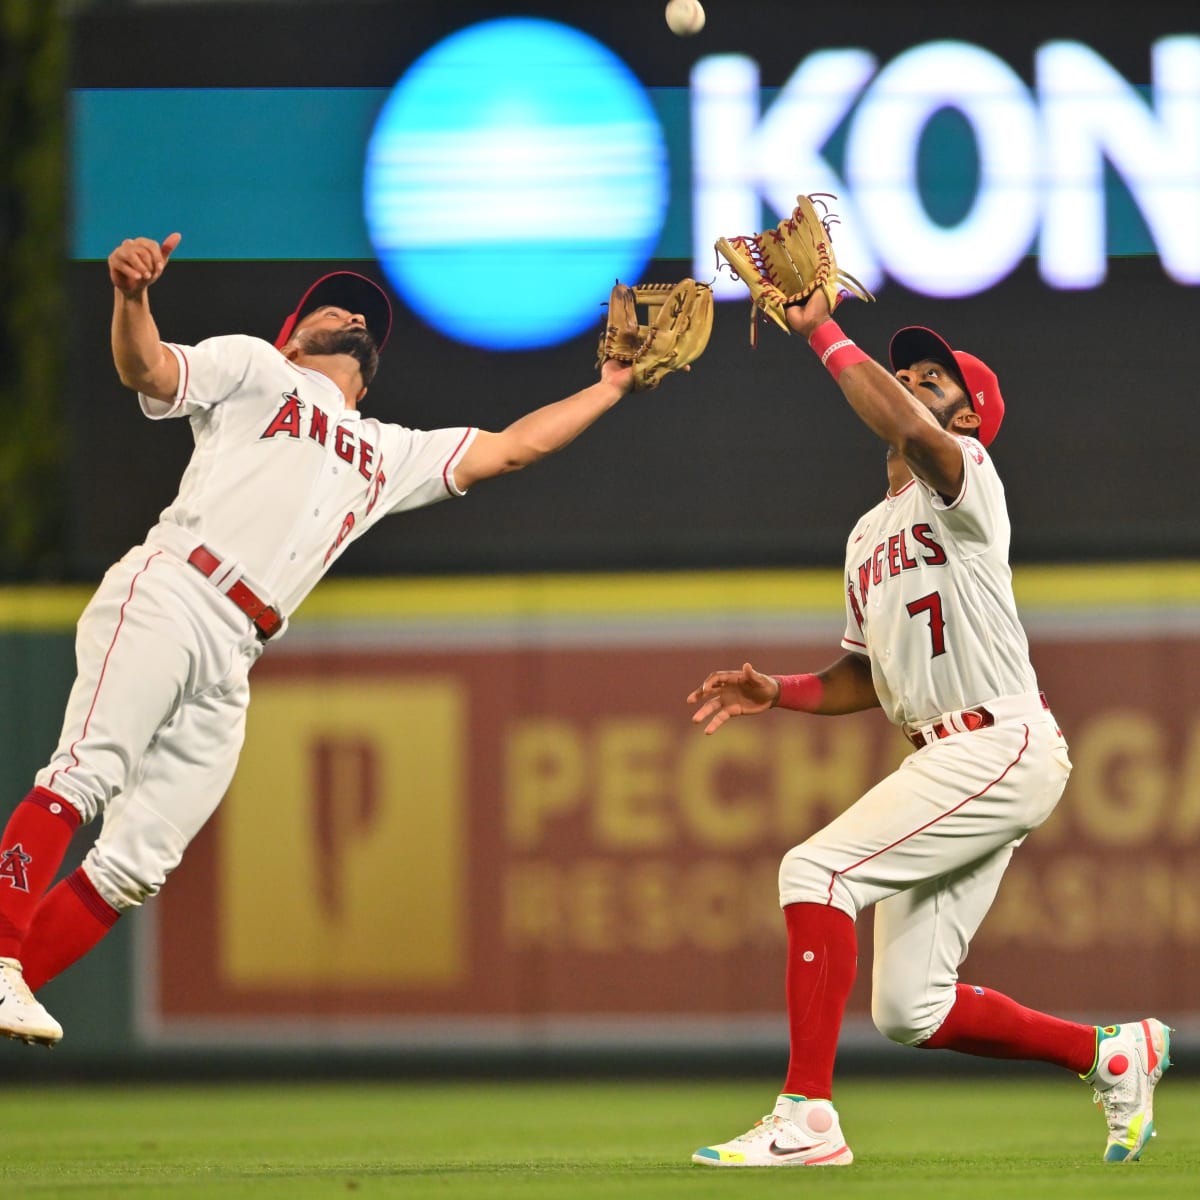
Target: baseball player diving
x,y
286,472
933,638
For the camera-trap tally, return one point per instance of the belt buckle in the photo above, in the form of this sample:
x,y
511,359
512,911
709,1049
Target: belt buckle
x,y
920,737
265,619
268,623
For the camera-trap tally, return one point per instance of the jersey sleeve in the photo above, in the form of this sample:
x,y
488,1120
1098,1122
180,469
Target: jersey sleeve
x,y
418,465
978,514
209,372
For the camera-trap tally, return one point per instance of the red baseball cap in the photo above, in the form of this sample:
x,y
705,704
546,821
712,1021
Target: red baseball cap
x,y
355,293
915,342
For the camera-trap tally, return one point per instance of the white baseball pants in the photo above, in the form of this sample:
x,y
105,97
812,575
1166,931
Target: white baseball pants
x,y
155,719
928,846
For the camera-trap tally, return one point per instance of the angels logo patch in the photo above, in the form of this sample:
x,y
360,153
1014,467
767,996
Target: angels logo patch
x,y
12,868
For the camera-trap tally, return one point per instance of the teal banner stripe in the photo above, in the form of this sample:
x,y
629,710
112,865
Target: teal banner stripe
x,y
276,173
241,173
258,173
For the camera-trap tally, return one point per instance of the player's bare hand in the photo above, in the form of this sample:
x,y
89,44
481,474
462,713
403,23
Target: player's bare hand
x,y
804,318
619,374
727,694
138,262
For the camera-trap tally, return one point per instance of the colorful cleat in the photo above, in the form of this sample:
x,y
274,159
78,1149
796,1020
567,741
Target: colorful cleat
x,y
798,1133
21,1016
1130,1060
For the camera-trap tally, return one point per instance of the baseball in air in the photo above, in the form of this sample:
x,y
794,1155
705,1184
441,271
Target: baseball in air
x,y
685,17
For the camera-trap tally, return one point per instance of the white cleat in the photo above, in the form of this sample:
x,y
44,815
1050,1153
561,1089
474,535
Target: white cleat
x,y
1130,1060
799,1133
21,1016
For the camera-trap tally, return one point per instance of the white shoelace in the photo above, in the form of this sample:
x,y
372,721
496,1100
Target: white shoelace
x,y
761,1126
1112,1103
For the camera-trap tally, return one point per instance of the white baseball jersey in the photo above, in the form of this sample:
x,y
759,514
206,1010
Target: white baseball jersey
x,y
284,477
929,597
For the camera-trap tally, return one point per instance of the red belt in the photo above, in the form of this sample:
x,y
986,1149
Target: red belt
x,y
265,617
970,718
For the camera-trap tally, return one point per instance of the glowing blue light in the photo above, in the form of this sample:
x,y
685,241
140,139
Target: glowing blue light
x,y
515,171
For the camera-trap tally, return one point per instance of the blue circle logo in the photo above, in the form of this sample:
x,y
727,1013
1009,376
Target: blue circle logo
x,y
516,170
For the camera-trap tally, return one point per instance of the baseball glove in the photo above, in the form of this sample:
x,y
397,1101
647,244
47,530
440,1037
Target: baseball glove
x,y
679,319
787,264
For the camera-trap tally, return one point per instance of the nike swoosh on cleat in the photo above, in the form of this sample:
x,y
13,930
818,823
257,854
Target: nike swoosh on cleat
x,y
780,1152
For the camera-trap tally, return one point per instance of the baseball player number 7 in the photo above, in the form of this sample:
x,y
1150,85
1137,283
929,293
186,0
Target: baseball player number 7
x,y
931,604
927,845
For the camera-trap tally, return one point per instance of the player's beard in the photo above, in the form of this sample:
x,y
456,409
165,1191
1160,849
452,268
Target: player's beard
x,y
353,340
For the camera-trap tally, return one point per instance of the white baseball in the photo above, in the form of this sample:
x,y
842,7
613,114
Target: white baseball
x,y
685,17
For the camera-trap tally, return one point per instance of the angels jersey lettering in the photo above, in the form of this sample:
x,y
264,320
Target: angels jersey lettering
x,y
283,476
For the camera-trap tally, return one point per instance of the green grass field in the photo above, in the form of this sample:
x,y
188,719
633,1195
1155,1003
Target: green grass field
x,y
552,1141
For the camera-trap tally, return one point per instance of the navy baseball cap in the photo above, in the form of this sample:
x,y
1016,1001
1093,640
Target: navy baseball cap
x,y
345,289
915,342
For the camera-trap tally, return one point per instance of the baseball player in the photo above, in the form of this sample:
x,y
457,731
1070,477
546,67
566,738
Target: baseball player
x,y
285,474
933,638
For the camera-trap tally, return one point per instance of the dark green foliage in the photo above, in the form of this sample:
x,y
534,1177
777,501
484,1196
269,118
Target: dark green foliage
x,y
33,339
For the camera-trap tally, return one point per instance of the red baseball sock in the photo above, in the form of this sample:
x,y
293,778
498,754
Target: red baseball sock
x,y
68,923
31,851
991,1025
821,964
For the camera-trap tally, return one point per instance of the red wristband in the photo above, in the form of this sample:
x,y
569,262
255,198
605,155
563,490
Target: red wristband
x,y
800,692
835,350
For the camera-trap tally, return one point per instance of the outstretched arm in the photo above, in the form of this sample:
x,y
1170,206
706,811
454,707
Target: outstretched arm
x,y
143,363
843,687
888,409
544,430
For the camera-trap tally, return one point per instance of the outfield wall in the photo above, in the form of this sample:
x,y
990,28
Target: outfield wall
x,y
472,817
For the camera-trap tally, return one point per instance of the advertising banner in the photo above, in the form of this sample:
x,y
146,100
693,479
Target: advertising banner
x,y
525,839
